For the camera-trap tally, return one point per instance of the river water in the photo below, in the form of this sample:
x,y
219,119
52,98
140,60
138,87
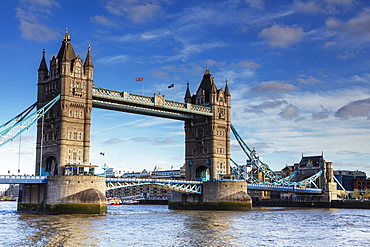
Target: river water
x,y
156,225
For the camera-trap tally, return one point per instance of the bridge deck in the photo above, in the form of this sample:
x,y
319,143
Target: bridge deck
x,y
281,188
21,179
183,185
152,106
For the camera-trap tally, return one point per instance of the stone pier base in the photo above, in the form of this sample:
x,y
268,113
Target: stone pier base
x,y
217,195
64,195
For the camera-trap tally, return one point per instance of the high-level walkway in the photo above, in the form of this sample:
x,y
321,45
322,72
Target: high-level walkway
x,y
153,106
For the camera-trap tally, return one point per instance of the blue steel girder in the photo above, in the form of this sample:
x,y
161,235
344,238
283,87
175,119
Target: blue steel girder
x,y
275,178
245,175
153,106
310,180
176,185
17,125
291,176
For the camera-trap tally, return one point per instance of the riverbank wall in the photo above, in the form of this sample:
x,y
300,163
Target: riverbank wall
x,y
354,204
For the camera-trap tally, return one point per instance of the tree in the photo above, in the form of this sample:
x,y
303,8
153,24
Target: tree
x,y
356,194
367,194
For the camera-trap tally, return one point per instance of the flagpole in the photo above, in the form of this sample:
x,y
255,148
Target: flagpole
x,y
142,84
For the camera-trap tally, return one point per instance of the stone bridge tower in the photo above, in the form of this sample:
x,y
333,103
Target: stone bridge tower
x,y
63,134
63,140
207,139
207,154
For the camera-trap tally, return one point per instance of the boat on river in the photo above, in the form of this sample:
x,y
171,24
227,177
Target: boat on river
x,y
118,201
114,201
130,202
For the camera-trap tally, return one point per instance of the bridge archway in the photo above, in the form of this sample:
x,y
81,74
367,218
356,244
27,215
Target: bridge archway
x,y
202,173
50,164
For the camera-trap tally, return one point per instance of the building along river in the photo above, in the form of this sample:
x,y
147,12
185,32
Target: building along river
x,y
156,225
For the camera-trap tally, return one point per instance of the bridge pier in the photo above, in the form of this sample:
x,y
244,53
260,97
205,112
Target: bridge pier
x,y
64,195
217,195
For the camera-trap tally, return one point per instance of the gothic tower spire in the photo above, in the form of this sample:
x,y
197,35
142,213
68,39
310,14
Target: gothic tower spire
x,y
88,65
187,94
43,68
207,139
63,137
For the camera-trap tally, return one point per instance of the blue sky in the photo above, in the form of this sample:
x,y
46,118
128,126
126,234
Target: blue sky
x,y
298,72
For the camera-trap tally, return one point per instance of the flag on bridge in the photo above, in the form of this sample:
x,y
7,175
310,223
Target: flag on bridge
x,y
172,85
139,79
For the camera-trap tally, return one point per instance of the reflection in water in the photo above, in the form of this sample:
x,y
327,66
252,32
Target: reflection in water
x,y
60,230
156,225
212,228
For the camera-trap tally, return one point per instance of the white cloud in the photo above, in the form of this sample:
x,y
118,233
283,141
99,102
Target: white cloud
x,y
153,35
249,65
43,3
361,78
155,141
307,7
323,114
281,36
257,4
136,11
356,29
308,80
113,59
189,49
102,20
273,87
31,15
265,105
112,141
358,108
289,112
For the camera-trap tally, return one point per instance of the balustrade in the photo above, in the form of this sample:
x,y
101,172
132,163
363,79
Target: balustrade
x,y
149,101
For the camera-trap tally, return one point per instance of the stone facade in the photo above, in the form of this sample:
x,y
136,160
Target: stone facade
x,y
64,195
217,195
207,139
308,166
63,140
63,134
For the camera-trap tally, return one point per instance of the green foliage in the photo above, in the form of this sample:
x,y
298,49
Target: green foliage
x,y
356,194
367,194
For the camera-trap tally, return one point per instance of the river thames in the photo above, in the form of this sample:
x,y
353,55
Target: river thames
x,y
156,225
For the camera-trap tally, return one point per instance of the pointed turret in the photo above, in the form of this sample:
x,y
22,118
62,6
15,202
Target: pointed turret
x,y
227,92
206,84
88,65
88,61
43,69
66,52
187,94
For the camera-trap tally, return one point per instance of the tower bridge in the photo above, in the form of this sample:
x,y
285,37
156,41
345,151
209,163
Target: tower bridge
x,y
63,142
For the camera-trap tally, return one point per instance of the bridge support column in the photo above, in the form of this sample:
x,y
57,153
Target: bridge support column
x,y
330,192
217,195
64,195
